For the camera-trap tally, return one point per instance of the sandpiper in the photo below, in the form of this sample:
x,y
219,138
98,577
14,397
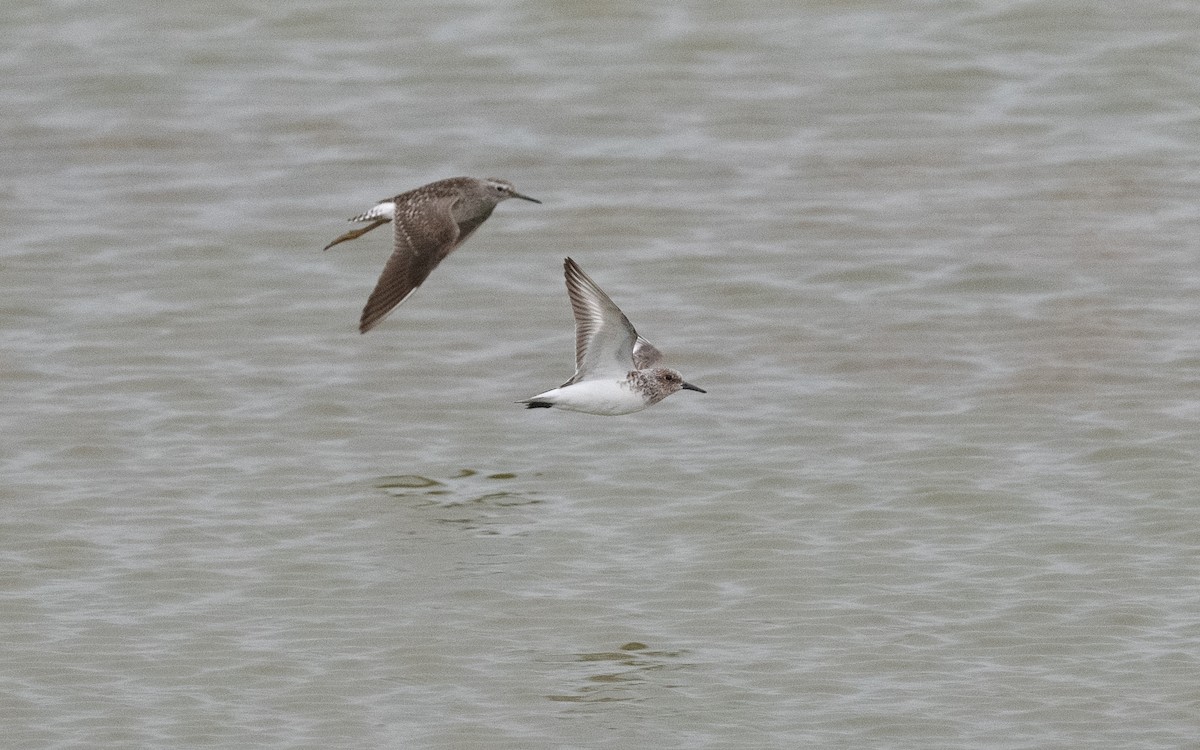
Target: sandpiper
x,y
430,222
615,369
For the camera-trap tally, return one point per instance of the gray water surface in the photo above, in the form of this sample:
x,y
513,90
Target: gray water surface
x,y
935,263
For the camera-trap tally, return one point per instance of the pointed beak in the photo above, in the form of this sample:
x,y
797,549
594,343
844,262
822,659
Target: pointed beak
x,y
690,387
515,194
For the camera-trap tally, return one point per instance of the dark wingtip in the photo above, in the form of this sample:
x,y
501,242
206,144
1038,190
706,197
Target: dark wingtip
x,y
537,404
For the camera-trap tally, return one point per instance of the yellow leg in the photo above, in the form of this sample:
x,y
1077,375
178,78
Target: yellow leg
x,y
356,233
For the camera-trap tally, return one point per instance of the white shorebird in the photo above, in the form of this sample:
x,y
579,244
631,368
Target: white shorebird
x,y
431,222
615,369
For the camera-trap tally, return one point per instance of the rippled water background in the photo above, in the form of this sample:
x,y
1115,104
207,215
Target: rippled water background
x,y
936,264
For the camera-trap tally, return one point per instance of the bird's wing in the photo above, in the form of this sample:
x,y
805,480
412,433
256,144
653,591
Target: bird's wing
x,y
645,354
424,234
604,337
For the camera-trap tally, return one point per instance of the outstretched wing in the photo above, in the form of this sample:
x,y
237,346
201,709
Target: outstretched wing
x,y
645,355
424,234
604,337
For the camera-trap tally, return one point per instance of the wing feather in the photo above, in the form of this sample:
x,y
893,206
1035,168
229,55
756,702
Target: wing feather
x,y
604,337
424,234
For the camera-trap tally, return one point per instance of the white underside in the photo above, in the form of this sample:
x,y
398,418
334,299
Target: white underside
x,y
607,397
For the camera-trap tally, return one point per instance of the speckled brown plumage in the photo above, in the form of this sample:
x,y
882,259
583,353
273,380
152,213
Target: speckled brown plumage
x,y
428,223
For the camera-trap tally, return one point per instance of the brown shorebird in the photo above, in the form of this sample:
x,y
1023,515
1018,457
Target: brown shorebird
x,y
431,222
615,369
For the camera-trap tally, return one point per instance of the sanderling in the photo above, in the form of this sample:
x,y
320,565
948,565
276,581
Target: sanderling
x,y
431,222
606,348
